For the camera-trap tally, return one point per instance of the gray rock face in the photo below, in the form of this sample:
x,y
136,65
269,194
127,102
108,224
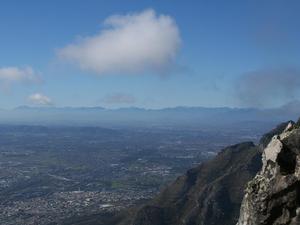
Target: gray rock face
x,y
210,194
273,196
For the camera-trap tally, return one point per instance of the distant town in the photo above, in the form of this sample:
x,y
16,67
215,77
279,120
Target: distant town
x,y
50,174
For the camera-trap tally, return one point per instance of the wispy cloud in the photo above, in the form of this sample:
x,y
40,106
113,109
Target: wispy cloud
x,y
11,75
131,43
266,87
118,98
40,99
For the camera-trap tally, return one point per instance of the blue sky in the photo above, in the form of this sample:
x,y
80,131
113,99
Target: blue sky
x,y
206,53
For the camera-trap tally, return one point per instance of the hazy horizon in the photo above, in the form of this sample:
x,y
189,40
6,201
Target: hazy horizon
x,y
149,112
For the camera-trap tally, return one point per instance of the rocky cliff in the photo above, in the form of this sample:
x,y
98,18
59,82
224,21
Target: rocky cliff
x,y
210,194
273,196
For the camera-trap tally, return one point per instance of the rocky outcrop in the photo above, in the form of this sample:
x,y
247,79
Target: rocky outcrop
x,y
212,193
273,196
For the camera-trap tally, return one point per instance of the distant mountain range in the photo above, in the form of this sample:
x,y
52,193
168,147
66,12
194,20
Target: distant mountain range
x,y
190,117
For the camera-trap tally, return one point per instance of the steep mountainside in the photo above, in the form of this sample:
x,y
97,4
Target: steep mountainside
x,y
210,194
273,196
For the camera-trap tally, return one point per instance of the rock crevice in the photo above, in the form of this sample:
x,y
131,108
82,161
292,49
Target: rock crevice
x,y
272,197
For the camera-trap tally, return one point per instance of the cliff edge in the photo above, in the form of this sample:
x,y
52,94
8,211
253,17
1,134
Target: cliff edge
x,y
272,197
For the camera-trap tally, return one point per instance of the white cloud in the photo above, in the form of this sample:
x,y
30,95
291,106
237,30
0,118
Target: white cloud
x,y
39,99
9,75
268,87
129,43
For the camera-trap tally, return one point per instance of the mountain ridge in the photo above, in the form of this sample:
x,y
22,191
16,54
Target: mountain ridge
x,y
213,191
209,194
194,117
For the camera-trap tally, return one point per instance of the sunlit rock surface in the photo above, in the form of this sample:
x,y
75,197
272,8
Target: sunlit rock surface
x,y
273,196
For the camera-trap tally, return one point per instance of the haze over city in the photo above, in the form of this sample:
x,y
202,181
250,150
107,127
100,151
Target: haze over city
x,y
149,112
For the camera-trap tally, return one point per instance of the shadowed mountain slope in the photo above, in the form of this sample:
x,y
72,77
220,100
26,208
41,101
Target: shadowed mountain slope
x,y
210,194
